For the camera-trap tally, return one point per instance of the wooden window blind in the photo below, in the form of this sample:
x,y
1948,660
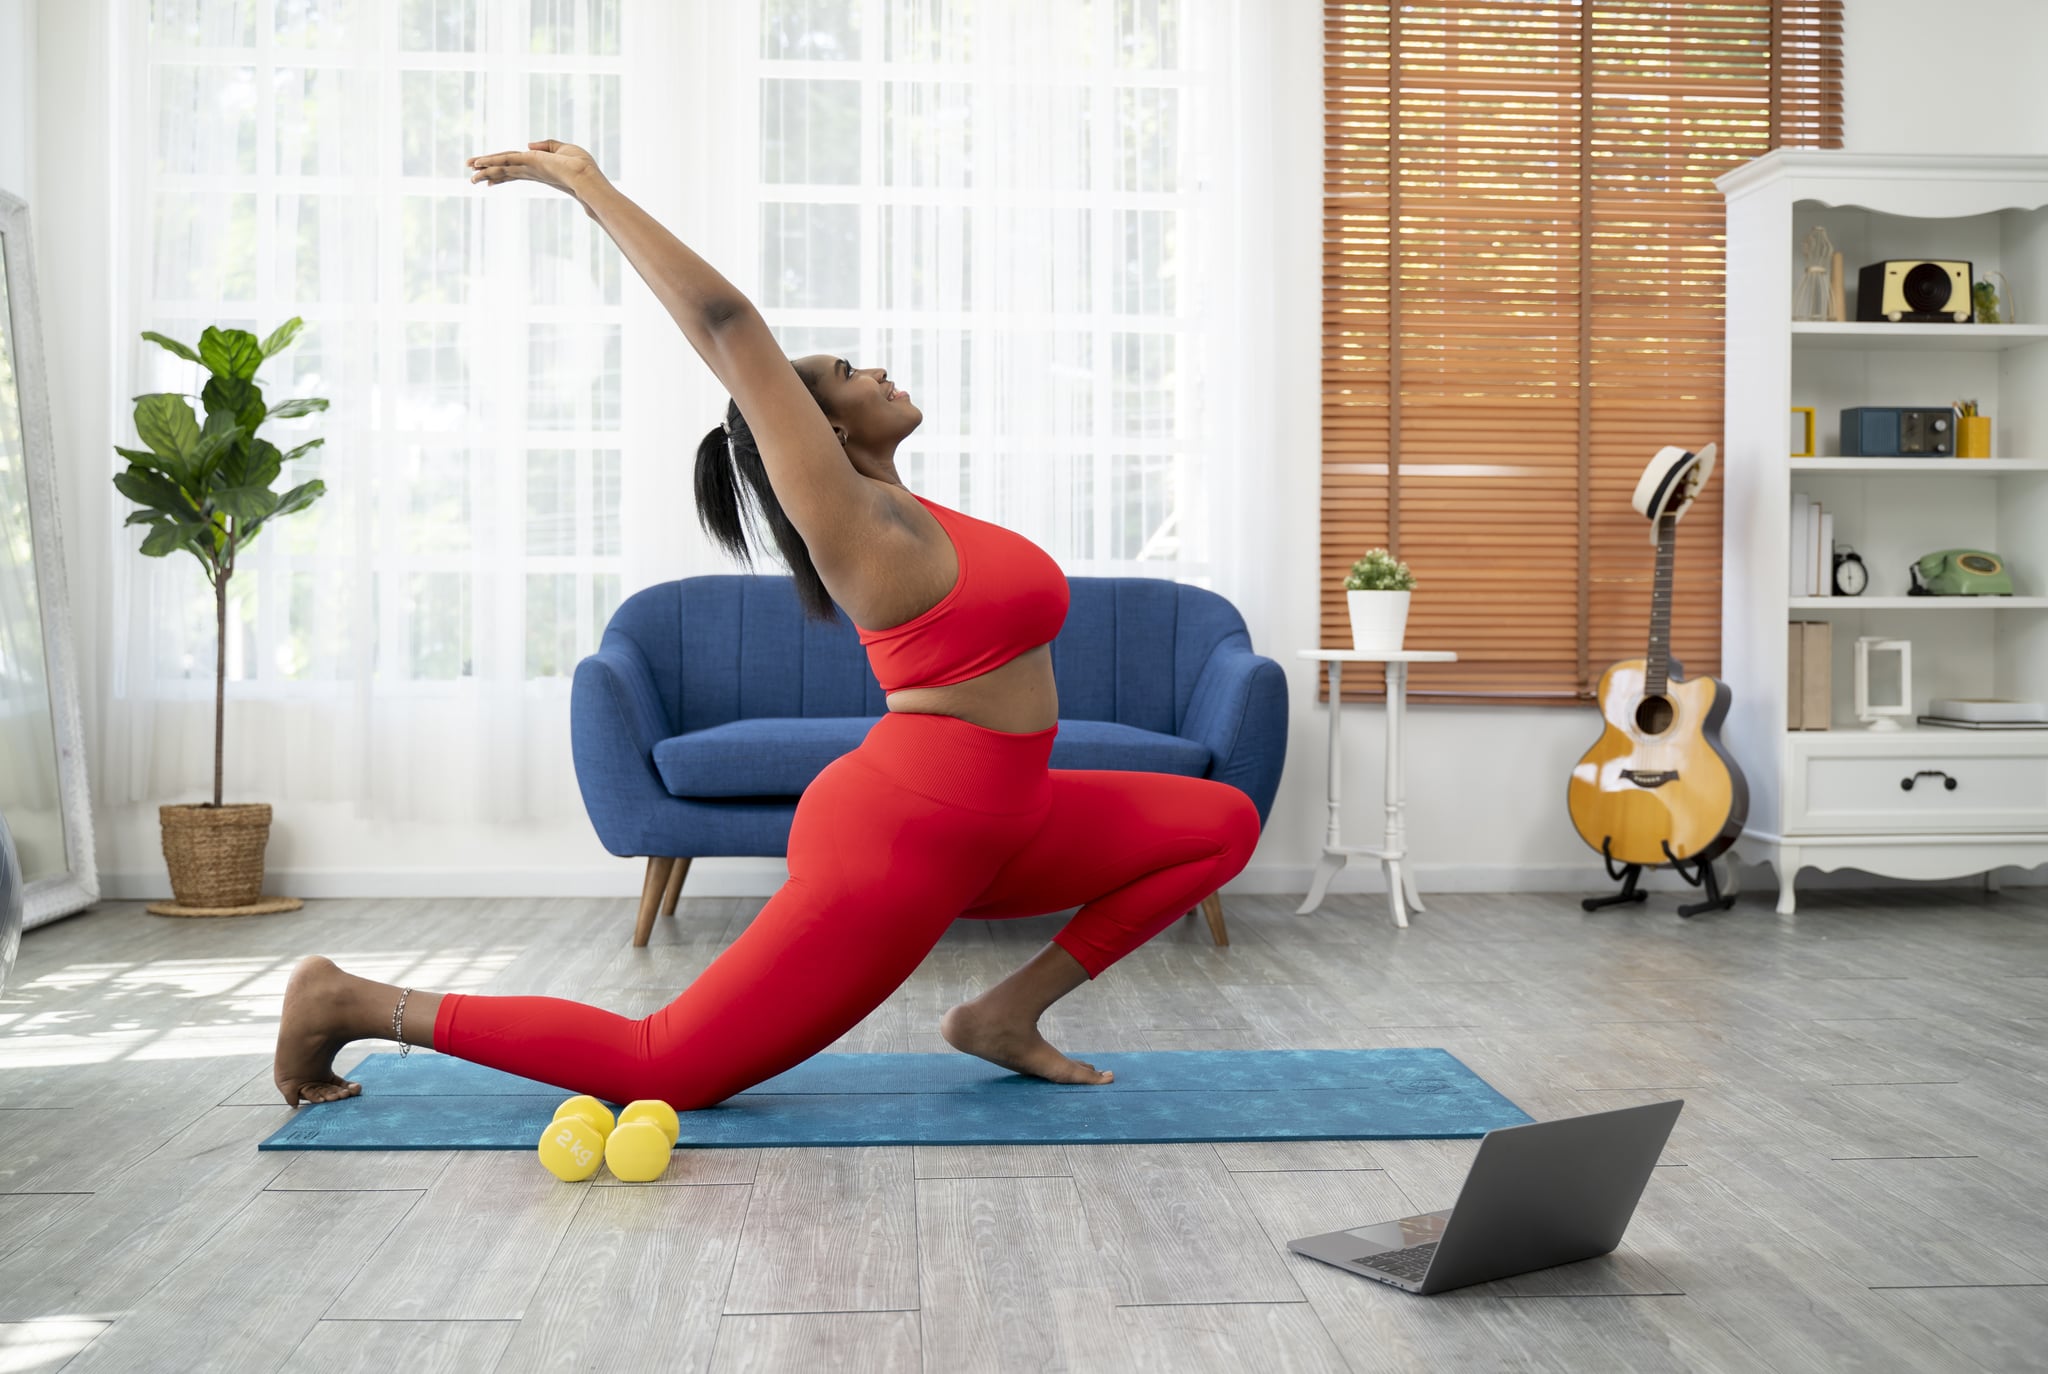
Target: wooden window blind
x,y
1522,302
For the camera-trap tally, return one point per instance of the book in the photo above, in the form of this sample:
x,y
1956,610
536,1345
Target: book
x,y
1813,547
1817,676
1989,710
1795,651
1947,723
1824,556
1802,556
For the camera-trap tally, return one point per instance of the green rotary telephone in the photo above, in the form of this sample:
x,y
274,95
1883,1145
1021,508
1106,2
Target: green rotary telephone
x,y
1961,572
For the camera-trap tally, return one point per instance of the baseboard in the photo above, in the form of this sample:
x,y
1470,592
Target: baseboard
x,y
760,878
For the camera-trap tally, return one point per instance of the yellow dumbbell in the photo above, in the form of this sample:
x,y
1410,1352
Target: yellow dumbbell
x,y
655,1110
638,1150
573,1144
591,1110
571,1148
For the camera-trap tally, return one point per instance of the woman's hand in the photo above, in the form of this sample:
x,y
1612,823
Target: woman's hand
x,y
563,166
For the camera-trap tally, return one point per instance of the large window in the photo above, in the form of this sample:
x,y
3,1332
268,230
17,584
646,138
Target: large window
x,y
1003,204
1523,265
1008,205
307,160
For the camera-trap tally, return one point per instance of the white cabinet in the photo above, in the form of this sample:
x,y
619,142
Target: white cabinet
x,y
1834,799
1862,783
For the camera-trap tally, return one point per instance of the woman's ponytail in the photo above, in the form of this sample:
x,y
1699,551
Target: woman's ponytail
x,y
718,496
726,454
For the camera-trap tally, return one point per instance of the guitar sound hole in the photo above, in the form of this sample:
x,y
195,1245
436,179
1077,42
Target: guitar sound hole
x,y
1654,715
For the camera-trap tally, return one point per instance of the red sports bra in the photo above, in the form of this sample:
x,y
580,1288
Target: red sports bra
x,y
1009,598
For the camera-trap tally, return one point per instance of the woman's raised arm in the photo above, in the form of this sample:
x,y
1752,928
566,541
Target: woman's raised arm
x,y
825,498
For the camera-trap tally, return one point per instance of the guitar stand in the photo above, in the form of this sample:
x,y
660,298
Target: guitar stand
x,y
1697,873
1626,875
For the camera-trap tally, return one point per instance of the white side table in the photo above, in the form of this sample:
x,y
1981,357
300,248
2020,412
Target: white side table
x,y
1401,892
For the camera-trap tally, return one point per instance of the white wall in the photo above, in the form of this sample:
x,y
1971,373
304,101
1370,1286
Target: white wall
x,y
17,95
1486,786
1990,99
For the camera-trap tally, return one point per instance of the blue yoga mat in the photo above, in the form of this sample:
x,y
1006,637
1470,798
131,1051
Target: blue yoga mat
x,y
434,1102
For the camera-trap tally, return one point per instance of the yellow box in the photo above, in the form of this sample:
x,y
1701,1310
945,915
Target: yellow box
x,y
1805,449
1973,436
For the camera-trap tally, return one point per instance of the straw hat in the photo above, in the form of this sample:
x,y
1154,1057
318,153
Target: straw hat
x,y
1674,474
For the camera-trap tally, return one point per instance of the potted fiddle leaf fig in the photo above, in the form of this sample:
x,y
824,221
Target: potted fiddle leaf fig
x,y
204,487
1376,592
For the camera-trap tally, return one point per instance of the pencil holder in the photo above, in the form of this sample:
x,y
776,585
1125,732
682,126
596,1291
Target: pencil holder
x,y
1973,436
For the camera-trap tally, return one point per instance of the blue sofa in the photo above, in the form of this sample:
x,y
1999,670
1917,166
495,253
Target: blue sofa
x,y
711,703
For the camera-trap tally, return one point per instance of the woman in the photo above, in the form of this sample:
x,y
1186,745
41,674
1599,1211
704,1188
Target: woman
x,y
947,808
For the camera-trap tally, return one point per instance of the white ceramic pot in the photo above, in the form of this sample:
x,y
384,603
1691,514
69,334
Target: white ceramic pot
x,y
1379,620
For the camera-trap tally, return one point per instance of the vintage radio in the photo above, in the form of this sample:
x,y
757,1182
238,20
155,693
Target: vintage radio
x,y
1898,432
1916,291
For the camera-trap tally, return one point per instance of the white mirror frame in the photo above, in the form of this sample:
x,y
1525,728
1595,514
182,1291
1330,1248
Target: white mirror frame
x,y
49,897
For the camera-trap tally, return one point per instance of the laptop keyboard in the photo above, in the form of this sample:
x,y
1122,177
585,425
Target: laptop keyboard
x,y
1410,1264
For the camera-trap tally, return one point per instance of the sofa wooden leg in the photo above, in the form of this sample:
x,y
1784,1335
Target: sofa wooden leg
x,y
651,888
1212,907
675,886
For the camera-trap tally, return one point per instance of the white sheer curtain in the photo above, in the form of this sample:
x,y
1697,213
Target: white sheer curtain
x,y
1026,210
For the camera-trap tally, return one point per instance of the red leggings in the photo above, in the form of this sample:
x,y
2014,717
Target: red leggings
x,y
932,818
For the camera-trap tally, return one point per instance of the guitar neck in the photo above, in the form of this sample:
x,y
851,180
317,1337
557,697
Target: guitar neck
x,y
1657,672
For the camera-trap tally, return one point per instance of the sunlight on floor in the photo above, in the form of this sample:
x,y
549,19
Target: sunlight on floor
x,y
43,1344
222,1006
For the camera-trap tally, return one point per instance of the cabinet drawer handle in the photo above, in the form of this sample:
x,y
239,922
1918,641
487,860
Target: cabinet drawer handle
x,y
1906,784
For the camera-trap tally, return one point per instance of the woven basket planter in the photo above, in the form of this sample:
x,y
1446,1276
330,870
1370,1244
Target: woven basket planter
x,y
215,853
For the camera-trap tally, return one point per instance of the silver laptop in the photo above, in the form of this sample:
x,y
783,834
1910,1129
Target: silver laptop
x,y
1547,1193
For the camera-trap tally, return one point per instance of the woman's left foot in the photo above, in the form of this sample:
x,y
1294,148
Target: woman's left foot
x,y
310,1033
970,1029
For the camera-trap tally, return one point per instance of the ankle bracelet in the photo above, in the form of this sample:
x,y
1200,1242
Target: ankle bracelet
x,y
398,1023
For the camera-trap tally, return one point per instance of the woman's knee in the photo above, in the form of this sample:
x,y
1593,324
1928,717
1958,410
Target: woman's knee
x,y
1237,820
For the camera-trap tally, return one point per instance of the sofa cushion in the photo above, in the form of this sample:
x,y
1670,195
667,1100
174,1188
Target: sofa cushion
x,y
1106,744
778,756
768,756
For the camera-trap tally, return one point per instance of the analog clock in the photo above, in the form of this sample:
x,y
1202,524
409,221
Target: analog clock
x,y
1851,577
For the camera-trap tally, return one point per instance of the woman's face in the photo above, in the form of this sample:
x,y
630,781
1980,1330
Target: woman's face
x,y
861,401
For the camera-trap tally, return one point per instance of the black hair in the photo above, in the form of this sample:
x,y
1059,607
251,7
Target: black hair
x,y
727,453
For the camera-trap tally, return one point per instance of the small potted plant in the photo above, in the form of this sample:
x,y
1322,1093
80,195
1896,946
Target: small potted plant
x,y
205,489
1376,591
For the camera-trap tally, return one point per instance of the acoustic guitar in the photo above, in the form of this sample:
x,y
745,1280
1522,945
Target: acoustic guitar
x,y
1658,789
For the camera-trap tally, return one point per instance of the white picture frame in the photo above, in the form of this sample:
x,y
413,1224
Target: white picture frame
x,y
1876,715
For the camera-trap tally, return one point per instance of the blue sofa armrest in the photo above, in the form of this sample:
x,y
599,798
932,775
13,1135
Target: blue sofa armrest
x,y
615,720
1238,710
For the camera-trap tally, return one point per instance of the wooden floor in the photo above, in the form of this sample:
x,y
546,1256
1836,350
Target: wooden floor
x,y
1859,1179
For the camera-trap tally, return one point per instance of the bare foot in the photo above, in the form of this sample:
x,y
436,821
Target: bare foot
x,y
970,1029
309,1034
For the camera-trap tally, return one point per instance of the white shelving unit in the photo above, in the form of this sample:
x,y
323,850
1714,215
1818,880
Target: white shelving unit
x,y
1839,798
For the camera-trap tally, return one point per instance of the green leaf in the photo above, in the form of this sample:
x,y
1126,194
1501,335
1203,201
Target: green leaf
x,y
220,434
146,459
156,492
171,536
230,353
298,498
281,337
237,397
292,453
304,406
245,503
250,463
165,422
182,350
